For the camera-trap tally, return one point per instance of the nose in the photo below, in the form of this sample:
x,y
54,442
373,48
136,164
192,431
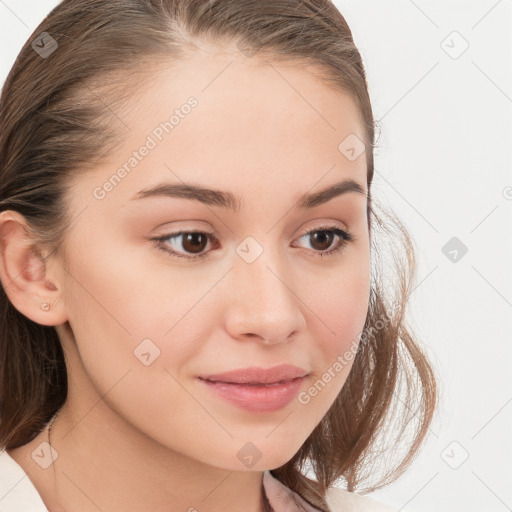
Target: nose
x,y
262,302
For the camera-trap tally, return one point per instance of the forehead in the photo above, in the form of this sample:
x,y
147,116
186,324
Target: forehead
x,y
257,125
245,98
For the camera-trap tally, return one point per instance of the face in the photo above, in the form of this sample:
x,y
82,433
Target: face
x,y
267,279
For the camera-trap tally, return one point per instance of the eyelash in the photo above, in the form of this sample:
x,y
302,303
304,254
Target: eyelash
x,y
345,236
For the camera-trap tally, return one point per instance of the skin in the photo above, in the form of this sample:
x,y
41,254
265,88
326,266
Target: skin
x,y
155,433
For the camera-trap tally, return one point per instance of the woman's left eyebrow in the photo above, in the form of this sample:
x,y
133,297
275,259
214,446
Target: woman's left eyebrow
x,y
222,199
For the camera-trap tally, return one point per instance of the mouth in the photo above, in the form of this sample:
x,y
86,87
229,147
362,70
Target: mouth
x,y
258,376
256,396
256,384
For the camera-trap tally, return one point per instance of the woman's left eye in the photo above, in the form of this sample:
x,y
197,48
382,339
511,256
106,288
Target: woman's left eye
x,y
325,236
194,242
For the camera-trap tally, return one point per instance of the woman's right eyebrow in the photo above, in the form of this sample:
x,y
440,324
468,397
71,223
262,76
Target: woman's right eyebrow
x,y
223,199
210,197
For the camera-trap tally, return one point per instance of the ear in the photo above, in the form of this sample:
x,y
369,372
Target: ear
x,y
25,275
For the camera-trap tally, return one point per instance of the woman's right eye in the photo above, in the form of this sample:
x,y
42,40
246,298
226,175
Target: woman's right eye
x,y
192,241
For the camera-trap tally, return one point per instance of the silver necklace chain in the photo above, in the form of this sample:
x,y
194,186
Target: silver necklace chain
x,y
50,427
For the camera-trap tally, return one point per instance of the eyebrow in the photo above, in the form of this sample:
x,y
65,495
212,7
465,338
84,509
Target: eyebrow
x,y
233,202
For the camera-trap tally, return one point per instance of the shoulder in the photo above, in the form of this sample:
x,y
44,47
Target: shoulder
x,y
17,492
340,500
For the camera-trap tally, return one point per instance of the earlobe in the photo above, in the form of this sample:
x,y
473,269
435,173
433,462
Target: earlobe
x,y
24,273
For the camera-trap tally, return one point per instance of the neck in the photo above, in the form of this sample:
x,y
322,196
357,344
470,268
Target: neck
x,y
102,462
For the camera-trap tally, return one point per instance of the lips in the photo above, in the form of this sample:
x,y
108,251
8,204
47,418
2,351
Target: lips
x,y
256,398
258,376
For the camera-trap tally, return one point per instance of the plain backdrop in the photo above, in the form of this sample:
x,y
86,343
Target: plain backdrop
x,y
440,78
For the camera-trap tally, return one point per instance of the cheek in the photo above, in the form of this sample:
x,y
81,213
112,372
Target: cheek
x,y
344,308
340,300
132,346
128,314
338,307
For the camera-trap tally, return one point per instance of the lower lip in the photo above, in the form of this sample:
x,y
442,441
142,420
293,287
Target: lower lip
x,y
257,398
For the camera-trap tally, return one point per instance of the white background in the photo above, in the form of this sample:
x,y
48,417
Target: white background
x,y
444,165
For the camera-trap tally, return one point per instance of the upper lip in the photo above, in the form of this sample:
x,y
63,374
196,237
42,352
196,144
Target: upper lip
x,y
258,375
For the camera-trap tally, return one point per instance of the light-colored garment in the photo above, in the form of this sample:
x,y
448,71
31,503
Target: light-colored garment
x,y
284,499
18,494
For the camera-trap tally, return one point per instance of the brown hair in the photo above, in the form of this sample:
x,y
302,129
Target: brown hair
x,y
56,122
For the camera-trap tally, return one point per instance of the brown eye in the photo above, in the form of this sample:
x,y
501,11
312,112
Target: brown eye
x,y
192,246
321,240
194,242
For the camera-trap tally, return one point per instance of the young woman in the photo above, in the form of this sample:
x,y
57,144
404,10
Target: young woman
x,y
192,309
